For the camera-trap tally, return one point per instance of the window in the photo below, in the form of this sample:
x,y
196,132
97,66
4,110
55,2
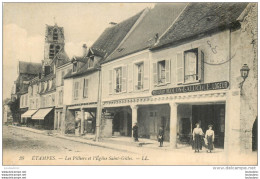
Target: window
x,y
76,90
91,62
190,65
62,77
55,35
140,76
75,64
118,75
85,88
60,97
45,86
57,49
161,72
51,53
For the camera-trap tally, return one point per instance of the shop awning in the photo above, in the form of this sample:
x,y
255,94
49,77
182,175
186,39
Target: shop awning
x,y
29,113
41,113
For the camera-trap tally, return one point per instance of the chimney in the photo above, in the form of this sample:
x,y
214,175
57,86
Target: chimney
x,y
112,24
85,50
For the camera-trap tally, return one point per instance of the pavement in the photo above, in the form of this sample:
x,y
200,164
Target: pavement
x,y
123,146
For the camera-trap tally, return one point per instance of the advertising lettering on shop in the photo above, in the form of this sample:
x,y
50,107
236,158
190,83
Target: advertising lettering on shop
x,y
193,88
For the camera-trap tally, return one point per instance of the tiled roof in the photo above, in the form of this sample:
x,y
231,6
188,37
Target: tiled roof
x,y
113,36
198,18
154,23
106,43
61,58
29,67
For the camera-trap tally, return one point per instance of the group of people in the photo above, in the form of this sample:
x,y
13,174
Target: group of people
x,y
197,136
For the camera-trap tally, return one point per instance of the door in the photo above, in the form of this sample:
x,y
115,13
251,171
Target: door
x,y
153,127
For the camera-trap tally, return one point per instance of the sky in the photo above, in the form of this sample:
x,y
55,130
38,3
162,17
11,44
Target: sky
x,y
24,29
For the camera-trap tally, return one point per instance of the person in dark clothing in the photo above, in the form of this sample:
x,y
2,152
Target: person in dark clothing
x,y
161,136
197,135
135,132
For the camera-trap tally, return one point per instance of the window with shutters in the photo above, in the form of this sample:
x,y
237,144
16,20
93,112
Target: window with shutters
x,y
191,65
55,35
118,78
52,51
139,76
76,90
161,72
85,88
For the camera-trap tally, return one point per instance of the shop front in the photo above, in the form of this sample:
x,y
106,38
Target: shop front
x,y
27,116
44,118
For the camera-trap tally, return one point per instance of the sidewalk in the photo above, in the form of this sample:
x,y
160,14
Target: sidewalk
x,y
125,144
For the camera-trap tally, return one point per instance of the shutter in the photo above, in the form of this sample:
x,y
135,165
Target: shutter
x,y
167,71
124,77
110,82
155,75
86,88
130,78
180,68
135,76
200,65
146,75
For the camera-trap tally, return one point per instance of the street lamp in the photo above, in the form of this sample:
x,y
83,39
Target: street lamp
x,y
244,74
244,71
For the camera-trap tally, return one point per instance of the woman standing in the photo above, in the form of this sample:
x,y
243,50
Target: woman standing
x,y
210,138
197,135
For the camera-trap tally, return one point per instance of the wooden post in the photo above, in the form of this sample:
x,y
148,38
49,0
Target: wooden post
x,y
99,107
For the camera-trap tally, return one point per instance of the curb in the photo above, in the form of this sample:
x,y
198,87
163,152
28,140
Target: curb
x,y
71,139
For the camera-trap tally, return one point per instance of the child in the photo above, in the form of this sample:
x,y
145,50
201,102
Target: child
x,y
210,138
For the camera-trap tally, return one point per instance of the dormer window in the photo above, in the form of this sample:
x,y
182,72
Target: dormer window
x,y
55,35
75,65
91,62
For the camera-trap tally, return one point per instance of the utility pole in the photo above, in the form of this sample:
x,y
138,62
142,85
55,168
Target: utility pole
x,y
99,106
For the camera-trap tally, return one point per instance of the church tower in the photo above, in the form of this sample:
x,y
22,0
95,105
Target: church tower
x,y
54,42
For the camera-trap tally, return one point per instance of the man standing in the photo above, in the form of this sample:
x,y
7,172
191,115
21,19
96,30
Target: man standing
x,y
135,132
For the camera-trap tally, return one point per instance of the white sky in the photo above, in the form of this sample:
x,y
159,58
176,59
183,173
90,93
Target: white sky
x,y
24,29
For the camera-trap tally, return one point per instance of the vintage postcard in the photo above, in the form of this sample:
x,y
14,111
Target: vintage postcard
x,y
130,83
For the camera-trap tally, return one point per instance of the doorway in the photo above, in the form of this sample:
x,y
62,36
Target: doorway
x,y
213,114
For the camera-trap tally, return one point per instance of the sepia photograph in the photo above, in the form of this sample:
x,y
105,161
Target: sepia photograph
x,y
121,84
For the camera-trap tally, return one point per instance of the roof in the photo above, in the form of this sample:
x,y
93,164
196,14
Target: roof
x,y
29,67
154,23
198,18
106,44
61,58
112,36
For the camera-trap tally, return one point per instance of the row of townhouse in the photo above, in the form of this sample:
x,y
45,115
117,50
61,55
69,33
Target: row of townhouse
x,y
171,66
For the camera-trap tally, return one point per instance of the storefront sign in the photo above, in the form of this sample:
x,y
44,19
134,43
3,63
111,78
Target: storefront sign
x,y
193,88
108,115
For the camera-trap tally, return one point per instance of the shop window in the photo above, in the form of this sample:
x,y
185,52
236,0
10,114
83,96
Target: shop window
x,y
140,76
190,66
161,72
76,90
85,88
55,35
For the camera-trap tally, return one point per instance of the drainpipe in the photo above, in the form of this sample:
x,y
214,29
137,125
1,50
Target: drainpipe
x,y
99,107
